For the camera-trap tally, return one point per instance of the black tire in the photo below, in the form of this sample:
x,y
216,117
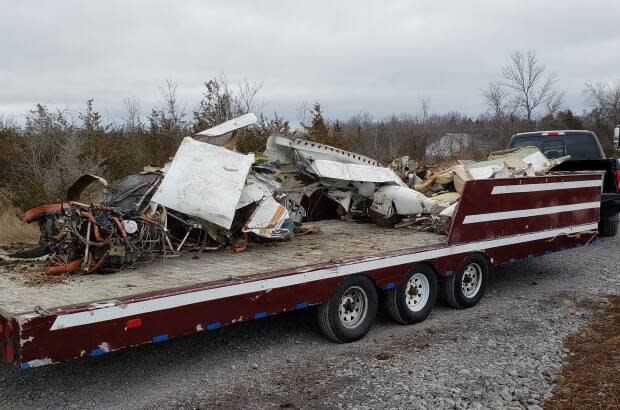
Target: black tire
x,y
333,322
608,225
454,287
401,304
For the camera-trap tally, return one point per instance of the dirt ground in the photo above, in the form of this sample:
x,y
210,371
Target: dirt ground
x,y
590,379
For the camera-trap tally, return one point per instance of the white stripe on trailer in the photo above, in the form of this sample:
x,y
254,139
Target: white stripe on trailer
x,y
184,299
549,186
523,213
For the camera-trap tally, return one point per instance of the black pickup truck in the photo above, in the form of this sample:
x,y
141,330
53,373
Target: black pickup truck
x,y
586,155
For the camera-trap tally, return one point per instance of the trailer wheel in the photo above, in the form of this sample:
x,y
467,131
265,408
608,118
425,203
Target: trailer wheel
x,y
412,301
608,225
350,311
465,288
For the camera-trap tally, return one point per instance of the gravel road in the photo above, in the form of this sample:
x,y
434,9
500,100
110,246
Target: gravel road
x,y
501,353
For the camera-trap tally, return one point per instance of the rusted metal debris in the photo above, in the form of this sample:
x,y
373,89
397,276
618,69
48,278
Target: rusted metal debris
x,y
212,197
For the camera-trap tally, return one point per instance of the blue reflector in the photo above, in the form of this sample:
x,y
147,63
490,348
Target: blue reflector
x,y
301,305
512,260
98,352
213,326
390,285
449,273
160,338
25,365
260,315
530,256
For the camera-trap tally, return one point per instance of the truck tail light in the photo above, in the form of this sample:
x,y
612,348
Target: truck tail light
x,y
618,180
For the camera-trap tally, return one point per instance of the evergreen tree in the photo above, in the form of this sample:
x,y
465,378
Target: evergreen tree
x,y
317,130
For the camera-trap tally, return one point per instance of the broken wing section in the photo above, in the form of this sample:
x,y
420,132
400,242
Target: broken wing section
x,y
205,181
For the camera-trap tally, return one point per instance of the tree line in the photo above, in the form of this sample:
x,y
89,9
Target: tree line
x,y
42,156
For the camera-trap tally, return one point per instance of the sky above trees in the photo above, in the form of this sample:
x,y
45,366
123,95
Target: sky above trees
x,y
352,56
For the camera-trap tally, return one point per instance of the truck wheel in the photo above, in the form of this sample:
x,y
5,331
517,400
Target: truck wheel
x,y
350,311
465,288
412,301
608,226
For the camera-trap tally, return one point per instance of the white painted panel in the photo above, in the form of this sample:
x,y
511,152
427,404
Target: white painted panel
x,y
230,125
551,186
523,213
354,172
205,181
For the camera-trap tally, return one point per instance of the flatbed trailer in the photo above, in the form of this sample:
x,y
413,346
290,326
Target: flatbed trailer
x,y
341,270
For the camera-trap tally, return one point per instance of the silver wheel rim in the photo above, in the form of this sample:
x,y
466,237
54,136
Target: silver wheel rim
x,y
471,280
353,306
416,292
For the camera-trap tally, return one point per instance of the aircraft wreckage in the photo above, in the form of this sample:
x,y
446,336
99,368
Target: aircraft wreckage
x,y
210,197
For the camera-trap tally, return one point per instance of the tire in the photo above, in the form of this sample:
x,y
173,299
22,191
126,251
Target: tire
x,y
608,225
462,290
349,313
406,307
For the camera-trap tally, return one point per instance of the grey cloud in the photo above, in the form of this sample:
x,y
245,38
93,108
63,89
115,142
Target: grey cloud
x,y
352,55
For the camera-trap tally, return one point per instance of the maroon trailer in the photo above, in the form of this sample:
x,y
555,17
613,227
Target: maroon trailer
x,y
341,269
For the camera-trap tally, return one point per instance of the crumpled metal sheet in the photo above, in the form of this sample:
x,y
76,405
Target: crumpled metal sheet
x,y
270,220
257,187
284,150
205,181
354,172
404,200
514,162
231,125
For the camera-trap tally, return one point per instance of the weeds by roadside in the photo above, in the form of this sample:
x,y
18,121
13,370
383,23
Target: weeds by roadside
x,y
12,229
590,379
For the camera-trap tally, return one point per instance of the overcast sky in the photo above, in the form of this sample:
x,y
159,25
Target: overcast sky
x,y
351,56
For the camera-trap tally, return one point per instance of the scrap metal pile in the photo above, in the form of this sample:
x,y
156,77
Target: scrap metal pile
x,y
211,197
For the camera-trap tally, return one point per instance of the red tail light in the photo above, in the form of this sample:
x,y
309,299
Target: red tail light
x,y
618,180
134,323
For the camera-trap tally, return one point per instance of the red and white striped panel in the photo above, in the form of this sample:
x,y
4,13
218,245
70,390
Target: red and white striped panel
x,y
494,208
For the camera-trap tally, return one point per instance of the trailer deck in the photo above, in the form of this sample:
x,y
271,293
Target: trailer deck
x,y
337,240
496,221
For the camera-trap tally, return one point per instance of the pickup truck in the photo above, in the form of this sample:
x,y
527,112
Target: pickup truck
x,y
586,154
342,271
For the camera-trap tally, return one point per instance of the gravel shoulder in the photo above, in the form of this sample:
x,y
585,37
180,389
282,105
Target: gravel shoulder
x,y
504,352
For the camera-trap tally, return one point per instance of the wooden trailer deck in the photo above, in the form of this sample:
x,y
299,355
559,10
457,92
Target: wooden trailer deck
x,y
336,241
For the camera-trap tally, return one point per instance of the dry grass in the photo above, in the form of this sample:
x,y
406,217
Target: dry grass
x,y
590,379
12,229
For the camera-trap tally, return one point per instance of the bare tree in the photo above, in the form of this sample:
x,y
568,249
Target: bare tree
x,y
246,99
171,107
303,112
425,108
132,114
606,99
531,89
497,100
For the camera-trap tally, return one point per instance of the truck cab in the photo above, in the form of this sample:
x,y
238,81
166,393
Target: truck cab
x,y
586,155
